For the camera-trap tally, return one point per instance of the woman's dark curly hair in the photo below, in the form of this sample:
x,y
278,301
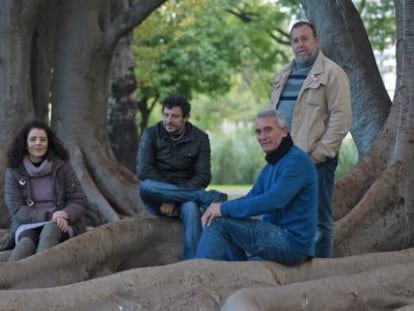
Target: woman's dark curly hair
x,y
18,147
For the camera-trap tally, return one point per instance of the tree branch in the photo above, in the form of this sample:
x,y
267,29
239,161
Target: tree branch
x,y
129,19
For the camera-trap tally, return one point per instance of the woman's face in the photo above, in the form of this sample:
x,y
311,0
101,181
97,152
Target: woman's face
x,y
37,144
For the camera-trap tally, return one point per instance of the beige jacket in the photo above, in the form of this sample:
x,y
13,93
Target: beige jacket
x,y
323,114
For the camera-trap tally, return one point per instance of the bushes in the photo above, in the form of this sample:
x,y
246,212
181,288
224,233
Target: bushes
x,y
236,157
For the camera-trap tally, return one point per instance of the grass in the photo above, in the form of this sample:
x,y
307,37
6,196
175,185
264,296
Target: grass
x,y
233,191
230,187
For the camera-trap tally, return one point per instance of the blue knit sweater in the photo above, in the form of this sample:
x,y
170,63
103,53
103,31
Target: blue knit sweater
x,y
285,194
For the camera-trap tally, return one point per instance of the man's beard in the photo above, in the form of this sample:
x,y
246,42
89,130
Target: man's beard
x,y
307,58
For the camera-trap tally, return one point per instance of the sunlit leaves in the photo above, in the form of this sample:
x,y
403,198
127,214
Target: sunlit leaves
x,y
196,47
379,20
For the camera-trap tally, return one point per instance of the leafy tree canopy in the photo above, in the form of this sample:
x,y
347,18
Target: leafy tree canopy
x,y
227,50
379,20
205,47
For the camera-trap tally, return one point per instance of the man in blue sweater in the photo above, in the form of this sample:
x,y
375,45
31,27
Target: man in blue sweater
x,y
285,198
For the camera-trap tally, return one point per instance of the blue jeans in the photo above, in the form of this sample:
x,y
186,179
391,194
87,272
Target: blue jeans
x,y
246,239
162,192
154,193
324,235
190,216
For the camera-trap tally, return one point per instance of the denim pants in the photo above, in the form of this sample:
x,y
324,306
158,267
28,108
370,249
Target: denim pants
x,y
246,239
162,192
154,193
324,236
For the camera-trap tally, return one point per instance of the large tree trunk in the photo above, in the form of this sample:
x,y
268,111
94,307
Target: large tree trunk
x,y
373,203
122,104
71,63
15,85
79,100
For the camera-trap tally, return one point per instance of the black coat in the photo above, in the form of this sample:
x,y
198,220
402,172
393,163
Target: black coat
x,y
183,162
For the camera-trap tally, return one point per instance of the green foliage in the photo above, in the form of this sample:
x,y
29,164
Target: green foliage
x,y
187,54
196,47
379,20
348,156
214,47
240,104
236,156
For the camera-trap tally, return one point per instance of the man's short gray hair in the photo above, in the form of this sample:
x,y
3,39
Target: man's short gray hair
x,y
280,120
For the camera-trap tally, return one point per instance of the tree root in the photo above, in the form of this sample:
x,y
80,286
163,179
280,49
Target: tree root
x,y
385,288
90,188
101,251
352,282
377,223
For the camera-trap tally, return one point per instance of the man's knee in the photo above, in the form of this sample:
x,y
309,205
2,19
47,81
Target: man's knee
x,y
151,190
189,210
144,188
147,194
218,225
220,222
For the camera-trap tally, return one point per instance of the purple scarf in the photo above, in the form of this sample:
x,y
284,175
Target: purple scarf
x,y
42,184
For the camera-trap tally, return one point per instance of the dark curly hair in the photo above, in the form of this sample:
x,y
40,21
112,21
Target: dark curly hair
x,y
177,100
18,147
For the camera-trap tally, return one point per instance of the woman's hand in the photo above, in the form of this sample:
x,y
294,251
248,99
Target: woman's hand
x,y
61,219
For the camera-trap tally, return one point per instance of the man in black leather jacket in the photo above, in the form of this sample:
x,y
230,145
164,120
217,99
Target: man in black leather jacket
x,y
173,166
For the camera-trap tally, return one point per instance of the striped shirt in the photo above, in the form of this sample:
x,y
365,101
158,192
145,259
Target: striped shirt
x,y
291,91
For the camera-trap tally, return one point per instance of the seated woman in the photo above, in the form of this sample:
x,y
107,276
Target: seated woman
x,y
43,195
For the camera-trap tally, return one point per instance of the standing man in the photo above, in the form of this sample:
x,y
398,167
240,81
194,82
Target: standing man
x,y
284,196
174,168
313,94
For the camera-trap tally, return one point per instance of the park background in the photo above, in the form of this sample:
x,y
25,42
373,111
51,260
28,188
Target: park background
x,y
226,73
94,67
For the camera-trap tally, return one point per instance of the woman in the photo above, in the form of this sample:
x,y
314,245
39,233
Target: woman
x,y
42,193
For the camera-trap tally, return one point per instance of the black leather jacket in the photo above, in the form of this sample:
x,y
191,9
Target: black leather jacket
x,y
185,162
69,196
